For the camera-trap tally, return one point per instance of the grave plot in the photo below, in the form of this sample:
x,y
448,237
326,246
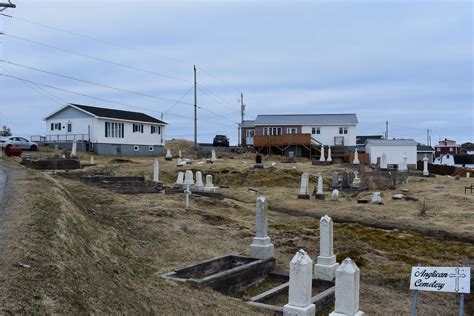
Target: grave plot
x,y
51,163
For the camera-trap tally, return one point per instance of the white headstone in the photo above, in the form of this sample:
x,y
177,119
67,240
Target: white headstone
x,y
329,159
326,265
188,178
180,179
320,185
376,198
92,160
199,185
74,149
304,186
168,154
468,175
335,195
209,185
180,154
356,182
425,166
187,193
262,247
156,171
402,166
383,161
300,288
347,290
321,158
213,155
180,162
356,158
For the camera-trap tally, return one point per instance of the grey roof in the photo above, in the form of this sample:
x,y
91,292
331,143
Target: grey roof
x,y
306,119
424,148
391,142
248,123
360,140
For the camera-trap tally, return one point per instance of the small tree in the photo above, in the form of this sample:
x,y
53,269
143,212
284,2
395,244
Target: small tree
x,y
5,131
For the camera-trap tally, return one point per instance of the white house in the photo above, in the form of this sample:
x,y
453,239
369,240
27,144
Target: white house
x,y
106,131
464,161
394,149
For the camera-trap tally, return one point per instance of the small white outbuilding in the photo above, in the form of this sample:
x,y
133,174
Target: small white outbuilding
x,y
394,149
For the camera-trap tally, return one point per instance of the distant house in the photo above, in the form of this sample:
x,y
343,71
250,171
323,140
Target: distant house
x,y
361,140
467,148
394,149
464,160
447,146
106,131
422,150
301,133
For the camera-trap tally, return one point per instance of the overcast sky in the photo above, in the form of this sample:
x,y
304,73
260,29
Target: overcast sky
x,y
407,62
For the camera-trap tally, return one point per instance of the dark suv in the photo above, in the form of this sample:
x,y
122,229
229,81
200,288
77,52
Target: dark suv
x,y
221,140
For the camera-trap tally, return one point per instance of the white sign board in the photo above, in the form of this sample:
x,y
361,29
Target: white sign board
x,y
441,279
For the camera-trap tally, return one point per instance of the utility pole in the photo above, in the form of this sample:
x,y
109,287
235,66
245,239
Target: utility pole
x,y
386,129
195,112
4,6
242,112
427,137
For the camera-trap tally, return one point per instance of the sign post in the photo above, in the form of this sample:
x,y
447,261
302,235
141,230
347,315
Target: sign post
x,y
440,279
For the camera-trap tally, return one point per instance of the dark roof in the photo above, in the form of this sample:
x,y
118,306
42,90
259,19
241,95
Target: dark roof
x,y
424,148
362,139
464,159
117,114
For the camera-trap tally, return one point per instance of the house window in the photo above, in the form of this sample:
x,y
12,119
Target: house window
x,y
69,127
342,130
316,130
52,126
451,149
151,148
138,128
291,130
155,129
271,131
136,148
114,130
56,126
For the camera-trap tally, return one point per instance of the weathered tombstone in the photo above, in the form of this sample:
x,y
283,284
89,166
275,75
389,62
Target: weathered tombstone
x,y
180,162
345,180
156,171
376,198
329,159
335,195
304,186
468,175
187,193
56,151
426,173
356,158
291,156
180,155
92,160
335,180
383,161
74,149
300,288
319,192
262,247
199,185
188,178
209,187
213,155
326,265
258,162
321,158
402,166
168,156
347,290
356,182
180,180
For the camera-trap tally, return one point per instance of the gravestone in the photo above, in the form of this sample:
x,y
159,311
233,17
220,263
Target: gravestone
x,y
74,149
180,162
168,154
213,155
156,171
56,151
319,192
304,186
300,287
345,180
383,161
468,175
199,184
258,162
92,160
187,193
180,154
356,158
335,180
189,179
426,173
291,157
356,182
321,158
209,187
180,180
326,265
262,247
376,198
347,290
335,195
329,159
402,166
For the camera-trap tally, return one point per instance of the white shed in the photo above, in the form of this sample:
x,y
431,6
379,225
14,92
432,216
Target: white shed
x,y
394,149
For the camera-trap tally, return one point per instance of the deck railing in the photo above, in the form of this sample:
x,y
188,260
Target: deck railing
x,y
282,140
61,138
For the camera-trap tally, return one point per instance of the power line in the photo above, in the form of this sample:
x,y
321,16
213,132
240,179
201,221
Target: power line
x,y
179,101
95,58
212,95
95,83
217,114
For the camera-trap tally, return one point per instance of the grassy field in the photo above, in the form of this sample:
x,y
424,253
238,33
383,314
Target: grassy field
x,y
95,251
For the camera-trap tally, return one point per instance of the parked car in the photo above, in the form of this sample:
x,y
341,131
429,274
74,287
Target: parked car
x,y
16,141
221,140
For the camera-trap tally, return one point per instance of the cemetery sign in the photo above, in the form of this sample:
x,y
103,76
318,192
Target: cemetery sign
x,y
441,279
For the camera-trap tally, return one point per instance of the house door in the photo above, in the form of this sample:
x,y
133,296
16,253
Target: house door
x,y
249,136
